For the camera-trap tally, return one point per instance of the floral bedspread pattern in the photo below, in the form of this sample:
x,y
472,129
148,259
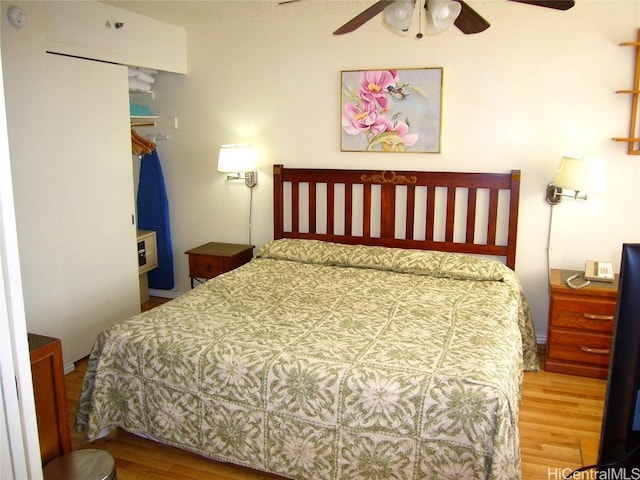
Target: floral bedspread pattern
x,y
321,361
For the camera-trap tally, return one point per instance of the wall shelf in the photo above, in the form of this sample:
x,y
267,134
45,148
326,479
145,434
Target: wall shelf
x,y
633,139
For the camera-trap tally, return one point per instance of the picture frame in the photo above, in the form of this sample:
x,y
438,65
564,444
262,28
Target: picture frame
x,y
396,110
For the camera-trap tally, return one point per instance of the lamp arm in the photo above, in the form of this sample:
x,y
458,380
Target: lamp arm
x,y
555,194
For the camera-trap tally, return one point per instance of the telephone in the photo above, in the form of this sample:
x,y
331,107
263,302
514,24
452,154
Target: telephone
x,y
593,270
598,271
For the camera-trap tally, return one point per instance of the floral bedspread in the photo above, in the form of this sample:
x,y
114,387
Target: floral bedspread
x,y
321,361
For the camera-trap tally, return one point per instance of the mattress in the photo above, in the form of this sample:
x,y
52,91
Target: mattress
x,y
326,361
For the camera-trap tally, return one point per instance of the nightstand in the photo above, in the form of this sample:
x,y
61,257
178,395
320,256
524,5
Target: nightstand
x,y
50,396
580,326
213,259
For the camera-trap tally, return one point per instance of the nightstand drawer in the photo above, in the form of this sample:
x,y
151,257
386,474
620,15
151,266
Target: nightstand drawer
x,y
584,304
591,348
582,313
205,266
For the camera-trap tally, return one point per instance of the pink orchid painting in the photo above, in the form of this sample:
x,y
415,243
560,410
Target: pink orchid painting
x,y
391,110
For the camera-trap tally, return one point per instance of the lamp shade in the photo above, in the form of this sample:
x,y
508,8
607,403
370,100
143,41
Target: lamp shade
x,y
441,14
397,16
236,157
581,174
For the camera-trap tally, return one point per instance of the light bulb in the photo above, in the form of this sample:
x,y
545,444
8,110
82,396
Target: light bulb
x,y
400,13
444,13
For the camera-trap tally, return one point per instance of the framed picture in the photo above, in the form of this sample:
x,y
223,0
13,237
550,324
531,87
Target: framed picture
x,y
391,110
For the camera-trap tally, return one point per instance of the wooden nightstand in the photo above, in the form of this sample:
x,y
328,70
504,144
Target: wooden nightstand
x,y
213,258
50,396
580,326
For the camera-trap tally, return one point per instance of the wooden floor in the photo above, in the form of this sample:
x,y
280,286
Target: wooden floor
x,y
559,413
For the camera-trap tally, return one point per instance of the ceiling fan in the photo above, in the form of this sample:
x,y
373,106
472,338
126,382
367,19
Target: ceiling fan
x,y
440,15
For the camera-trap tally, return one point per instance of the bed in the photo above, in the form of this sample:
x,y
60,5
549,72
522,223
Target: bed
x,y
363,342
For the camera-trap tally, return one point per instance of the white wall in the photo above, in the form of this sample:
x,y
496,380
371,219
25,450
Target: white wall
x,y
536,85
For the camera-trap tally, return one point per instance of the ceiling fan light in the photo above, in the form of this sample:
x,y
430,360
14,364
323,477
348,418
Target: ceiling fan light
x,y
397,16
441,14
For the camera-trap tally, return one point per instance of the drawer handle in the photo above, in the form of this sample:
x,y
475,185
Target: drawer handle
x,y
595,316
601,351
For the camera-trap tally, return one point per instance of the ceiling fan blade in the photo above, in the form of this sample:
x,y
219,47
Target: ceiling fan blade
x,y
469,21
363,17
555,4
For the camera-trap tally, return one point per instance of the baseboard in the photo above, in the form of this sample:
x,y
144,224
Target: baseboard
x,y
155,292
541,339
69,367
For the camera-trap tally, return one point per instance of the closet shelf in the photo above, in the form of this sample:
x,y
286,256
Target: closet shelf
x,y
154,121
145,93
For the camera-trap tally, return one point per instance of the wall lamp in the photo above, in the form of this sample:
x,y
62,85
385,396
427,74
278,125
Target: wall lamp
x,y
575,177
238,161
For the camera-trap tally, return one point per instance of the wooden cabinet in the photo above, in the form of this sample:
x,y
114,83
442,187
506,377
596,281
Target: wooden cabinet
x,y
580,326
213,259
50,396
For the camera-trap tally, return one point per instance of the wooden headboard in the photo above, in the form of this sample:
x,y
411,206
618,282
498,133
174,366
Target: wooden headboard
x,y
454,212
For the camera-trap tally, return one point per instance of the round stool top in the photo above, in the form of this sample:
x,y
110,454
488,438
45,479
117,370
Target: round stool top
x,y
88,464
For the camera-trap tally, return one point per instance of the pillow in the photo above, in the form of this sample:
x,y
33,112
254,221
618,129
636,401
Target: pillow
x,y
419,262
